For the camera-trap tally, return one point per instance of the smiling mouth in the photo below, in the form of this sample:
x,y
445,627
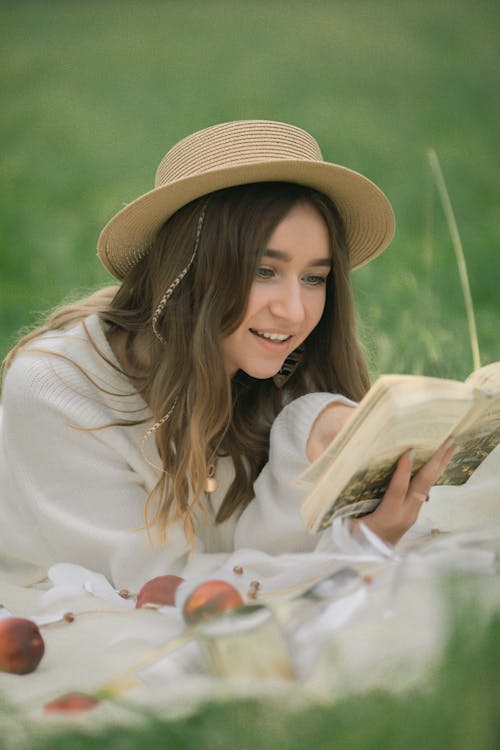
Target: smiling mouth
x,y
277,338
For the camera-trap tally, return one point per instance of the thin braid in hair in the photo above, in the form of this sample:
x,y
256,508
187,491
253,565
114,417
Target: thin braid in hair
x,y
175,283
154,324
153,429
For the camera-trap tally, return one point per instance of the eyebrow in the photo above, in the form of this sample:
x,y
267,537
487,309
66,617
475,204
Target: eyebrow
x,y
286,257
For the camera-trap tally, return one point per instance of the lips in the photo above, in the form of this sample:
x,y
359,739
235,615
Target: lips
x,y
274,337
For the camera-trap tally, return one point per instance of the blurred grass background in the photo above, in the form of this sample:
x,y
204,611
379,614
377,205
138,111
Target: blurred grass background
x,y
94,93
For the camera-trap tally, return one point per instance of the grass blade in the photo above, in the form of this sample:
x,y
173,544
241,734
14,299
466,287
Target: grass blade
x,y
459,254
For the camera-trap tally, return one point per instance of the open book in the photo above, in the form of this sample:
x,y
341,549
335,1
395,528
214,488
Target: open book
x,y
401,412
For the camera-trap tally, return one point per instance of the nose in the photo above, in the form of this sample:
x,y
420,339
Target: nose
x,y
288,303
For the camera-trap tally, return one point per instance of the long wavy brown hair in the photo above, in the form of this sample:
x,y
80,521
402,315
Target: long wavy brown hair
x,y
212,414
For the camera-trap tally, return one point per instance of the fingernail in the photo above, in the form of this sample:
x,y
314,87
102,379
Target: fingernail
x,y
449,443
412,454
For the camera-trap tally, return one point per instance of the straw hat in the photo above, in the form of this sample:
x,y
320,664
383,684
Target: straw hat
x,y
237,153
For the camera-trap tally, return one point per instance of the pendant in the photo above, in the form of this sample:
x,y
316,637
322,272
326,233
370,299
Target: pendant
x,y
211,483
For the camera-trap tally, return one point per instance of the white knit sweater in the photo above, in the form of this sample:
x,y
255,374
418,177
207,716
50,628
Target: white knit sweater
x,y
69,492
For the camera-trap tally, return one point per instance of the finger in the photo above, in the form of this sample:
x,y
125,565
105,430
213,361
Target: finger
x,y
450,450
428,475
420,497
398,486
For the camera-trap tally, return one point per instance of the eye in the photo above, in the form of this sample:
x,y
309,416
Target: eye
x,y
264,272
313,279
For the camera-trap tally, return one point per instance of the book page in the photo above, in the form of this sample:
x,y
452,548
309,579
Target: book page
x,y
391,395
486,379
476,438
361,412
367,486
355,470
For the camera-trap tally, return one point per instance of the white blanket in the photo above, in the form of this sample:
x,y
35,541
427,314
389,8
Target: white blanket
x,y
386,631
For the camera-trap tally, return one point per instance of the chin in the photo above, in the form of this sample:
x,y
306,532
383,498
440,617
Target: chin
x,y
260,374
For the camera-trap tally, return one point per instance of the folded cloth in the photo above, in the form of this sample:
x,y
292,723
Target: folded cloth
x,y
475,503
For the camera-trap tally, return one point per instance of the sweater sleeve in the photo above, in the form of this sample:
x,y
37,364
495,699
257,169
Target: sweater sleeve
x,y
272,522
69,492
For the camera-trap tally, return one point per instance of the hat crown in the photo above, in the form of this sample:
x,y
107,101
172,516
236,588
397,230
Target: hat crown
x,y
235,144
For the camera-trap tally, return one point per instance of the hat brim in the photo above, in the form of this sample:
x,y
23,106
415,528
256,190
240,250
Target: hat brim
x,y
366,212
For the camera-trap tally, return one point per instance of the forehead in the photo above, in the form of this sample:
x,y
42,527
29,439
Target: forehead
x,y
303,233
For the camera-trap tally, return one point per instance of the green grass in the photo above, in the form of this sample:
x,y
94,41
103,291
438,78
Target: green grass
x,y
94,93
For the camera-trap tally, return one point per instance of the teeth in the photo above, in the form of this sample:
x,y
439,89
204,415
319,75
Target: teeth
x,y
273,336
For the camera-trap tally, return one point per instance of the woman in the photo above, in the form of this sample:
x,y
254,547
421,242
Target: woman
x,y
137,423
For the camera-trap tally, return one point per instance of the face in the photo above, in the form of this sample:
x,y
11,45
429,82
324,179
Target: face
x,y
287,298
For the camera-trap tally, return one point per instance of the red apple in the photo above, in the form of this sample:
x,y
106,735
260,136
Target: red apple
x,y
21,645
210,598
71,702
160,590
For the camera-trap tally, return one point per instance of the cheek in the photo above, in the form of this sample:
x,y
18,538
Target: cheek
x,y
315,309
254,303
256,300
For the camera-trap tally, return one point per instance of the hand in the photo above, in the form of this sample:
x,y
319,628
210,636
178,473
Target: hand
x,y
404,497
326,427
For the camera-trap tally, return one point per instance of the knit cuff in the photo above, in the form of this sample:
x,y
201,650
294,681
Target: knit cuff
x,y
297,418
